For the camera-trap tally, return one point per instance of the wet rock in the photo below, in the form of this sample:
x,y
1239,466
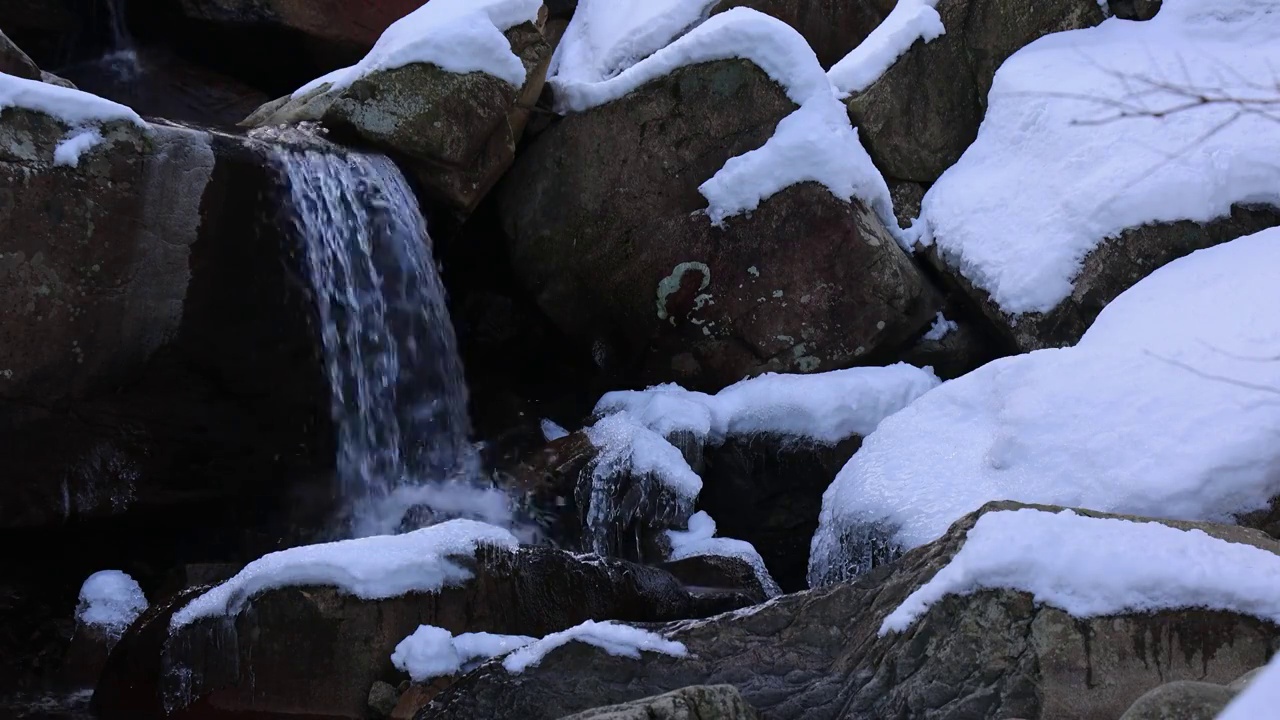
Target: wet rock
x,y
1183,700
313,651
15,62
1135,9
334,25
923,113
1113,267
716,702
832,27
457,131
601,212
818,654
730,581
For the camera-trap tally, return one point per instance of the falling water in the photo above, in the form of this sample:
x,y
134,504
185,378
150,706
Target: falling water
x,y
121,58
399,399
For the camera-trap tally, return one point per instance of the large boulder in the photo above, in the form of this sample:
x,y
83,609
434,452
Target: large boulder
x,y
1182,700
993,654
15,62
458,132
316,652
335,26
921,115
601,215
156,350
832,27
717,702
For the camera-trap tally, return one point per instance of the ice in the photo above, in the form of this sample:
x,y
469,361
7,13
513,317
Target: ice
x,y
76,144
625,446
615,639
1167,408
606,37
1259,699
432,652
816,143
110,600
940,329
822,407
1094,567
700,540
552,430
370,568
1083,139
73,107
911,20
459,36
482,646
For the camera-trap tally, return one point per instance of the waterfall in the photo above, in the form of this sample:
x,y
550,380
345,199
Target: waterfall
x,y
121,59
399,399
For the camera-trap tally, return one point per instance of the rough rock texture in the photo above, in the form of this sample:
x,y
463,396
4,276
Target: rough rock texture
x,y
351,27
1113,267
767,490
458,131
923,113
315,652
699,702
1183,700
15,62
816,655
155,349
832,27
716,575
601,213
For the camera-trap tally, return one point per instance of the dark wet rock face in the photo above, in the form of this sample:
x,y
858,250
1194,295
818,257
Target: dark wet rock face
x,y
315,652
992,655
602,215
716,702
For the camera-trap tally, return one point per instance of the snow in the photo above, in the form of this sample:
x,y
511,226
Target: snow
x,y
1095,567
606,37
459,36
371,568
1166,408
823,407
814,144
1259,699
624,445
552,430
77,143
73,107
940,329
432,652
911,20
617,640
110,600
1069,154
700,540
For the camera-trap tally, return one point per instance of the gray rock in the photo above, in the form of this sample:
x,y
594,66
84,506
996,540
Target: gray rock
x,y
1135,9
833,28
817,655
700,702
383,699
1242,682
601,216
1182,700
923,113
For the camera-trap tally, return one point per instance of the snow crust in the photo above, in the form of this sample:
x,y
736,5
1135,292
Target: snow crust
x,y
370,568
625,445
1092,567
110,600
1070,154
617,640
606,37
816,143
910,20
941,328
1259,699
823,407
700,540
459,36
73,107
76,144
1166,408
432,652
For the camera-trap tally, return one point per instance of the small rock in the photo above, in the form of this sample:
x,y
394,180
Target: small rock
x,y
383,699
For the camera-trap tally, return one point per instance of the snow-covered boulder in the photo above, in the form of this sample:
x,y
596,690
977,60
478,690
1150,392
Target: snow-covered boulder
x,y
1086,175
1165,408
1052,615
709,212
109,602
308,630
918,84
448,87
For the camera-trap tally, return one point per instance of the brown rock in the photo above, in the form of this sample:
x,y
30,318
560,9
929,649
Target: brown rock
x,y
352,27
15,62
832,27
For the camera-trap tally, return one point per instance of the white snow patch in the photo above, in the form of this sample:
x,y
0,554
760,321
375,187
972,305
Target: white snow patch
x,y
823,407
700,539
911,20
615,639
73,107
1070,154
110,600
1092,567
370,568
1259,699
459,36
551,430
482,646
624,445
816,143
940,329
1167,408
606,37
432,652
76,143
